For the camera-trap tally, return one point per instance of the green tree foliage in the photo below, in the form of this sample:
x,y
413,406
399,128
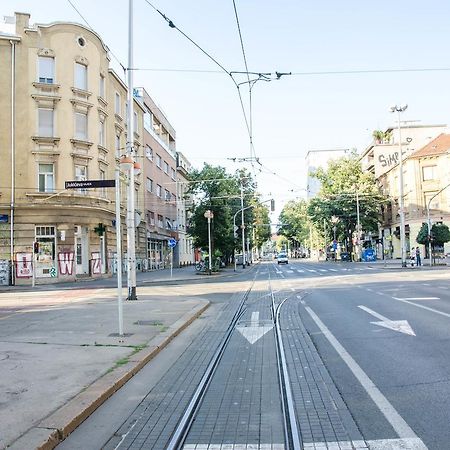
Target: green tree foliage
x,y
216,190
294,221
262,225
340,182
440,234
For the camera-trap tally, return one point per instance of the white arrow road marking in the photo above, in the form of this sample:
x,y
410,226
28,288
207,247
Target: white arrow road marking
x,y
403,430
396,325
254,331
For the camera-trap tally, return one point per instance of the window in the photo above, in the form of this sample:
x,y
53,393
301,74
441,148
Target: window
x,y
81,175
46,69
149,184
117,146
428,173
148,121
158,190
80,76
173,173
101,133
45,122
135,123
149,153
168,223
166,167
160,221
81,126
101,89
46,178
102,177
117,106
158,161
151,217
167,195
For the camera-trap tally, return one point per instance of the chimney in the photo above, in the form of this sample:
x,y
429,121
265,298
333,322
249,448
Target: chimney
x,y
22,21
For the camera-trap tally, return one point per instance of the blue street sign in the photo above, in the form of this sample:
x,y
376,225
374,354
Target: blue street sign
x,y
171,242
3,218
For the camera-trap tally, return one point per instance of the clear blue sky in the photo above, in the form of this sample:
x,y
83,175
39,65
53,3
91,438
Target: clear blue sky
x,y
292,115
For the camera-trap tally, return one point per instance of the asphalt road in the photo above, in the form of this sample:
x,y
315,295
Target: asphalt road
x,y
367,355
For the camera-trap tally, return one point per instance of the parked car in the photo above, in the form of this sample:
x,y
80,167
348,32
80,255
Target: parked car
x,y
282,258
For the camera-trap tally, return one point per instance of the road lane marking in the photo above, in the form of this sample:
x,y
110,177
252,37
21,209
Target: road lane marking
x,y
254,332
403,430
401,326
300,271
420,298
311,270
333,270
441,313
378,444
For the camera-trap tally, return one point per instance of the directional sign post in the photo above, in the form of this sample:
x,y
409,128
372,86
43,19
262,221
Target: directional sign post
x,y
171,243
89,184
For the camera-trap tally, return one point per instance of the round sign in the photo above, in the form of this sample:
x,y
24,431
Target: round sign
x,y
208,214
171,243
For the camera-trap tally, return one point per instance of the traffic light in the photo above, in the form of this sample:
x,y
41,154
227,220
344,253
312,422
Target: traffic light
x,y
272,205
36,247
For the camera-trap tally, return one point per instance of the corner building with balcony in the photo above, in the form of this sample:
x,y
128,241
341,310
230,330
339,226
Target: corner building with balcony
x,y
62,118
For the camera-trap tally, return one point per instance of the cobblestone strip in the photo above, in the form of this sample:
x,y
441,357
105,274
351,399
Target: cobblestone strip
x,y
322,416
242,409
153,422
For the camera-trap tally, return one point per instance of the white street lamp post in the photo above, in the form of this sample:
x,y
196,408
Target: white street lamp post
x,y
209,215
131,243
400,109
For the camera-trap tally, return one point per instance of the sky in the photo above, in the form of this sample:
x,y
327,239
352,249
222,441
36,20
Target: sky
x,y
312,109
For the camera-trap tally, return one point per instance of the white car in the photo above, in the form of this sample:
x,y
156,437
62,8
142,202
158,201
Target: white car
x,y
282,258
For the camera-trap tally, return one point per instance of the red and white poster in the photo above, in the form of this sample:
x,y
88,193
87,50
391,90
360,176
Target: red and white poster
x,y
24,265
65,262
96,263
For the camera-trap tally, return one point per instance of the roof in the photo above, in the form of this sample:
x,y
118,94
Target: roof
x,y
438,146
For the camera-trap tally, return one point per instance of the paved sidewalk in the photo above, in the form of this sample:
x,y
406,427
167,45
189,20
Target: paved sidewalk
x,y
61,355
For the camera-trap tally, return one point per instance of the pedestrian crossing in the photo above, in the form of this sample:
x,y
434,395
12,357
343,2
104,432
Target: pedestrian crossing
x,y
323,271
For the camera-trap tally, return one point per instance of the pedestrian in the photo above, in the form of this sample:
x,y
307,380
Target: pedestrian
x,y
418,258
412,255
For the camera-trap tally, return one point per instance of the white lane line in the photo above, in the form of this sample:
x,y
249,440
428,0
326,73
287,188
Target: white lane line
x,y
441,313
378,444
300,271
420,298
397,422
333,270
289,271
323,270
310,270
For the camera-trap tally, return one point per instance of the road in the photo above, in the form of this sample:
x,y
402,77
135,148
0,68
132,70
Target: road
x,y
367,359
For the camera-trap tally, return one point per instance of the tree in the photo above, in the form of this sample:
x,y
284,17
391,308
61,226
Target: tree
x,y
440,234
341,182
261,224
214,189
294,222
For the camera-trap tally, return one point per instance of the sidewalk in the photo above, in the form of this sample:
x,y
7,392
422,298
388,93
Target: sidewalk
x,y
61,356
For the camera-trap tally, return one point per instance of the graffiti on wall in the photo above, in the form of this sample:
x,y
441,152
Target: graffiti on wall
x,y
24,265
4,272
65,262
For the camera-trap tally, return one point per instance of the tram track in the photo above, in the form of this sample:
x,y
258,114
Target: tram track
x,y
291,431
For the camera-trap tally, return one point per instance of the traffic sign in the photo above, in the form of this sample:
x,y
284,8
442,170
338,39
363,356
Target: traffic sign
x,y
89,184
171,242
52,272
208,214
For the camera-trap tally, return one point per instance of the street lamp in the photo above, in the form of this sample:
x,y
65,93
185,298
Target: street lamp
x,y
398,110
131,232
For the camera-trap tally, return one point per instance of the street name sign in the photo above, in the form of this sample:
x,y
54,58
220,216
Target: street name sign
x,y
89,184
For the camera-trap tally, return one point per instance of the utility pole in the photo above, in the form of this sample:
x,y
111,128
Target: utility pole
x,y
358,227
131,242
243,225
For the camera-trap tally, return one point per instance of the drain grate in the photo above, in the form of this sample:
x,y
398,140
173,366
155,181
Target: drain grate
x,y
154,323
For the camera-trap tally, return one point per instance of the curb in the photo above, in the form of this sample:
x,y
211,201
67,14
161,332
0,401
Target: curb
x,y
52,430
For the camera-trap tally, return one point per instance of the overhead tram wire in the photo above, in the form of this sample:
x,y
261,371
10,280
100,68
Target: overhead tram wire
x,y
88,24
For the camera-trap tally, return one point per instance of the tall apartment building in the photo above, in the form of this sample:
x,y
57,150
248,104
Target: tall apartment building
x,y
62,118
184,251
316,159
425,167
160,184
